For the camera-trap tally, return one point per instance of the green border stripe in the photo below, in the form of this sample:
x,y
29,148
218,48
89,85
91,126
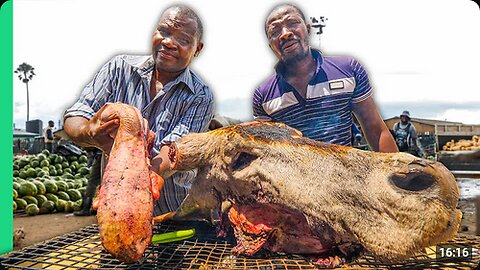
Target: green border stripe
x,y
6,122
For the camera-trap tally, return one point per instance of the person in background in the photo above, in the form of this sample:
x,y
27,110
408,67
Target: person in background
x,y
406,135
95,161
313,92
48,136
356,135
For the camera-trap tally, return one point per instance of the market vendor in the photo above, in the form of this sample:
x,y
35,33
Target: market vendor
x,y
406,135
170,95
315,93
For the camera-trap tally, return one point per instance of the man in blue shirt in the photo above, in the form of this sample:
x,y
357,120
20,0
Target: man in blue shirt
x,y
171,96
314,93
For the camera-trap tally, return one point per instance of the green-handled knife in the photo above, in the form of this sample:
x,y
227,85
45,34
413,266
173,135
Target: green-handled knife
x,y
172,236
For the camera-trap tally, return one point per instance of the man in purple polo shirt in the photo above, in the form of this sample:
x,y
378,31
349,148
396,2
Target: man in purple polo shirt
x,y
314,93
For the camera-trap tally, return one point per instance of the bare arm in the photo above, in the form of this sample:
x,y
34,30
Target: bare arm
x,y
76,129
376,132
161,163
97,132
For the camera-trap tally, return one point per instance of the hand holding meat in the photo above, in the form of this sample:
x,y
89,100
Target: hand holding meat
x,y
129,187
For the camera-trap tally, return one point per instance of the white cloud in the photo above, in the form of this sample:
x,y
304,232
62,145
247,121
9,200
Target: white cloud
x,y
460,115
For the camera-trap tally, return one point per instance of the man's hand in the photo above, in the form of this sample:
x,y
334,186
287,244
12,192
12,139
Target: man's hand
x,y
161,163
98,132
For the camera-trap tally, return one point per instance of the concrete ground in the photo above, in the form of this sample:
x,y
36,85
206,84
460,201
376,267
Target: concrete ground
x,y
44,227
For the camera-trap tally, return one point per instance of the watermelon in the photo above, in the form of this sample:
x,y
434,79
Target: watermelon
x,y
40,187
31,172
43,173
69,206
32,210
58,166
83,159
44,163
52,158
41,199
34,164
74,194
16,186
22,174
23,162
41,157
30,200
63,195
58,160
78,183
83,170
60,205
77,206
50,186
71,185
62,185
82,190
52,197
47,207
67,175
27,188
21,203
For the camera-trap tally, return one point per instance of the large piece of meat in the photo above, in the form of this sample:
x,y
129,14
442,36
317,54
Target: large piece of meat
x,y
125,199
286,193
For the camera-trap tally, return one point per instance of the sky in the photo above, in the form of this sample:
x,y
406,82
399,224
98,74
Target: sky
x,y
421,55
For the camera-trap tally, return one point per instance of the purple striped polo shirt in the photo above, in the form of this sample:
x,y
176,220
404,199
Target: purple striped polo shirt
x,y
326,112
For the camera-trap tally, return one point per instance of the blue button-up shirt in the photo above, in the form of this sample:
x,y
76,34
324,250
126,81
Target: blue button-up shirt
x,y
182,106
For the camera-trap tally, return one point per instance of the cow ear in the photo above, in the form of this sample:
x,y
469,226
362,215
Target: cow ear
x,y
242,160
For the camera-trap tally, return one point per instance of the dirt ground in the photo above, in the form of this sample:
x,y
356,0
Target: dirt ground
x,y
469,218
43,227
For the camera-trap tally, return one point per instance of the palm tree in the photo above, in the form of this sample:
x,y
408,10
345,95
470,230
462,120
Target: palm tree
x,y
25,75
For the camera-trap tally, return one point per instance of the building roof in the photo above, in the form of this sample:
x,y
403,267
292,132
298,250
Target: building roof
x,y
427,121
21,133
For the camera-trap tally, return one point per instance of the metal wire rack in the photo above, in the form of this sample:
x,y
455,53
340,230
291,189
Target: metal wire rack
x,y
82,250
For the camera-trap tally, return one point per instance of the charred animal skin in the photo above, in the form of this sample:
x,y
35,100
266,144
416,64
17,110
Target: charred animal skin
x,y
392,204
125,198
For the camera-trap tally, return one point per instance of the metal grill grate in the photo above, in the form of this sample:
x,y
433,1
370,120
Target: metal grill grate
x,y
82,249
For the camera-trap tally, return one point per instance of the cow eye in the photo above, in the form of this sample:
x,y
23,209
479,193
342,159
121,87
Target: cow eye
x,y
242,160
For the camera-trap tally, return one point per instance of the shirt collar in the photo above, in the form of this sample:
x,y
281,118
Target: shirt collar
x,y
317,56
145,70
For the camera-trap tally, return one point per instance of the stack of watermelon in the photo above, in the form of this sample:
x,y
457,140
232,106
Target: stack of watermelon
x,y
46,183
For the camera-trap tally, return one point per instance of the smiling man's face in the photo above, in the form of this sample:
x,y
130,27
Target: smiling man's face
x,y
175,41
287,34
